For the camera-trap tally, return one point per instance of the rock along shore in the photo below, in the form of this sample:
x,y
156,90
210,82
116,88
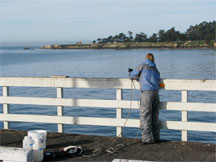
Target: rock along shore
x,y
134,45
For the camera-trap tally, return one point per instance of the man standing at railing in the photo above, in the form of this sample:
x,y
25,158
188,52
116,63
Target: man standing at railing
x,y
149,78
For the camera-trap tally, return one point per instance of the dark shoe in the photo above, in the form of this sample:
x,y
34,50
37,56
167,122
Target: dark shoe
x,y
50,155
149,142
157,141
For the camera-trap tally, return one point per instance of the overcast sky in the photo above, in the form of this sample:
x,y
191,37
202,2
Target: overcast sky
x,y
87,20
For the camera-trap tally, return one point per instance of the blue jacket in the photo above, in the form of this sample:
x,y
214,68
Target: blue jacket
x,y
148,76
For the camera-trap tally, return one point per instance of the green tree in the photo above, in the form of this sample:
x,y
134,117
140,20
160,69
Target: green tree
x,y
99,40
110,39
130,36
202,31
161,35
122,37
153,38
142,37
171,34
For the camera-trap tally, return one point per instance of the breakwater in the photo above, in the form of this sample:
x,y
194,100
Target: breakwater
x,y
134,45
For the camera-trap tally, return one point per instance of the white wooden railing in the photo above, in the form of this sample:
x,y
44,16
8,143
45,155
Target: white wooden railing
x,y
119,84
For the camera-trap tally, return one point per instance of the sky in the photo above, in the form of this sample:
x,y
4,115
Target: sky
x,y
86,20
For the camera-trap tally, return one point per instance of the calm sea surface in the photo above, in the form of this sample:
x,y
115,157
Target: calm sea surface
x,y
181,64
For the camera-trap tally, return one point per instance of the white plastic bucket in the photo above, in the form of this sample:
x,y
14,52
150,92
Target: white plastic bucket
x,y
28,142
39,134
38,150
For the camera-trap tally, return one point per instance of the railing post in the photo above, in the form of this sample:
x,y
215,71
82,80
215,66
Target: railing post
x,y
60,109
6,108
119,112
184,116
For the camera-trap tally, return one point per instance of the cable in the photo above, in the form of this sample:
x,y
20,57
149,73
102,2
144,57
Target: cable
x,y
138,132
113,149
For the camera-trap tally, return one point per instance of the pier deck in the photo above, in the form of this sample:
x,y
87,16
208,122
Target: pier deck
x,y
162,151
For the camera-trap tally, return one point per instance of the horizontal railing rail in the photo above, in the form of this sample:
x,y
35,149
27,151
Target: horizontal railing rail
x,y
119,122
180,106
64,82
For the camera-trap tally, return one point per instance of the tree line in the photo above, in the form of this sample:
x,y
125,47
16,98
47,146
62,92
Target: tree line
x,y
203,31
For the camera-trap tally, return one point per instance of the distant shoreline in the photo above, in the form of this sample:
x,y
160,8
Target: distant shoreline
x,y
135,45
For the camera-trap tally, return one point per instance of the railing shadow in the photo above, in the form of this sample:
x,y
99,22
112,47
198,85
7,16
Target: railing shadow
x,y
68,139
93,83
17,137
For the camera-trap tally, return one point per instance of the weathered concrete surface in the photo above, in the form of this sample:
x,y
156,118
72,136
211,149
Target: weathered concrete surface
x,y
163,151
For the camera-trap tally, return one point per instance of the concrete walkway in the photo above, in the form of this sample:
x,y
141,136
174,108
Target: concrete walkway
x,y
126,148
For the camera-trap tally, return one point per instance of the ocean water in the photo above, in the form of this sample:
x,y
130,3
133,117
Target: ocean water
x,y
172,64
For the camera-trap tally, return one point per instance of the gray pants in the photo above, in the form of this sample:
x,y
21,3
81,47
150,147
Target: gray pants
x,y
149,115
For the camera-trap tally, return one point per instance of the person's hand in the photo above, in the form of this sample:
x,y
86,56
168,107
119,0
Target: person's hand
x,y
162,85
